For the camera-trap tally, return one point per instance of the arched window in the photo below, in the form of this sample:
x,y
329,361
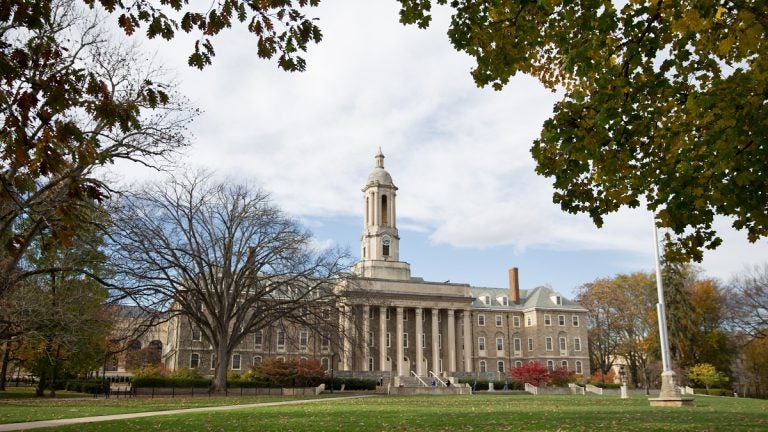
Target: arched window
x,y
384,213
483,367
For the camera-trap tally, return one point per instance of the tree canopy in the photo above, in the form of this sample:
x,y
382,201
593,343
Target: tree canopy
x,y
223,257
664,103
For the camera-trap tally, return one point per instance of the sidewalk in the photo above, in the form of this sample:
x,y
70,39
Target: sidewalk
x,y
71,421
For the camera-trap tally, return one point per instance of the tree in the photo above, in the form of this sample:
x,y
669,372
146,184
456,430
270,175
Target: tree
x,y
748,301
71,102
638,328
604,304
222,256
533,373
288,373
663,105
706,374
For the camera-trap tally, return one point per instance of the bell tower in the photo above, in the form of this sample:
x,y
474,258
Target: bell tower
x,y
380,242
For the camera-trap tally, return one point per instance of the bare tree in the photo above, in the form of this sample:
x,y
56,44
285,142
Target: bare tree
x,y
748,301
223,256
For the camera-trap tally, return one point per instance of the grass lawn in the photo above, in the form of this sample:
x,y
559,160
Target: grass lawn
x,y
452,413
27,392
18,405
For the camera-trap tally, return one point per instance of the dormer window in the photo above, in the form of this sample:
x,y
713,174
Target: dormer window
x,y
505,301
487,300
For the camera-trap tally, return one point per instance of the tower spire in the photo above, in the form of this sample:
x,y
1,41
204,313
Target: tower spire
x,y
379,159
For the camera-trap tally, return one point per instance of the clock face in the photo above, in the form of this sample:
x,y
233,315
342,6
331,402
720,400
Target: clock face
x,y
386,240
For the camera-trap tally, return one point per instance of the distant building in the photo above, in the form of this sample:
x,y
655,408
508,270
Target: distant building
x,y
398,324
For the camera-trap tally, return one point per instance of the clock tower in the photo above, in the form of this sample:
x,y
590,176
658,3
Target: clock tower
x,y
380,242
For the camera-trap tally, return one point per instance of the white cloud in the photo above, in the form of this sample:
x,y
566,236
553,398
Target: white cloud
x,y
459,154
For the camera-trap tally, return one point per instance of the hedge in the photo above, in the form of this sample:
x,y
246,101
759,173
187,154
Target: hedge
x,y
351,384
606,385
171,382
713,392
481,385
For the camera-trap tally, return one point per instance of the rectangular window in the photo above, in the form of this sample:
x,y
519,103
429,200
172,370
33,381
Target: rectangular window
x,y
440,340
405,340
325,342
389,340
528,321
562,344
370,312
499,344
388,314
235,361
423,340
194,361
548,343
196,333
499,321
518,346
303,340
505,301
515,321
326,313
547,320
578,368
575,320
258,338
481,343
530,344
550,365
370,338
561,320
280,340
405,315
481,320
577,344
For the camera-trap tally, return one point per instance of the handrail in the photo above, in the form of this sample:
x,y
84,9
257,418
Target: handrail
x,y
419,378
437,378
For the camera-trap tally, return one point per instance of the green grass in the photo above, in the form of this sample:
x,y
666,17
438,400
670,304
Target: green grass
x,y
23,409
464,413
27,392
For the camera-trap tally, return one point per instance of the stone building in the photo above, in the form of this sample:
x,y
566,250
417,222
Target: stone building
x,y
394,324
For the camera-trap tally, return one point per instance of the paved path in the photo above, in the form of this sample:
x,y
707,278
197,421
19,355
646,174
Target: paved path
x,y
71,421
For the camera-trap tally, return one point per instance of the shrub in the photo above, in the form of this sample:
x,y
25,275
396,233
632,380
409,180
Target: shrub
x,y
534,373
289,373
149,372
185,373
351,384
170,382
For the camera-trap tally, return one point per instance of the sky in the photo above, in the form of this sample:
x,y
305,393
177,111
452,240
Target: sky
x,y
470,205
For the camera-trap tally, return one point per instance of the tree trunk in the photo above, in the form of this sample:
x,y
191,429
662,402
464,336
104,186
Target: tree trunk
x,y
6,358
40,390
219,381
55,370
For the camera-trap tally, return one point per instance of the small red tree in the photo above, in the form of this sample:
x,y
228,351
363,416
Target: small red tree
x,y
560,376
289,373
533,373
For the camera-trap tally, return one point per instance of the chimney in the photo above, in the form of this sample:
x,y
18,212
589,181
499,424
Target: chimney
x,y
514,286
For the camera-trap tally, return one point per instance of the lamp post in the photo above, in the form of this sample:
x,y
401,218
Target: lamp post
x,y
669,395
332,368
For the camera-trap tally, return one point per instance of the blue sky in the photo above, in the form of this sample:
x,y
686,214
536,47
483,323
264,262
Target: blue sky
x,y
469,206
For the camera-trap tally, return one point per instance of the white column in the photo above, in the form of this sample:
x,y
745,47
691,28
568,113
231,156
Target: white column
x,y
419,348
399,341
451,341
435,346
347,351
366,330
382,338
467,321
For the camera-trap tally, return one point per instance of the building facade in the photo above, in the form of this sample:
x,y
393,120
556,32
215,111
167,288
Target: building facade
x,y
393,324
